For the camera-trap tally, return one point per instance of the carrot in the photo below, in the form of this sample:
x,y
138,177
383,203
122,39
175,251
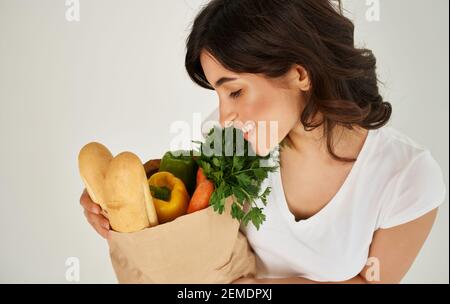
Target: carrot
x,y
200,176
201,196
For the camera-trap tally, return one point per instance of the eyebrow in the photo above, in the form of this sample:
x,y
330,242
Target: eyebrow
x,y
224,80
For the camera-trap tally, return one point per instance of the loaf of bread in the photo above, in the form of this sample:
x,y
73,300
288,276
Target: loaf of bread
x,y
119,185
93,162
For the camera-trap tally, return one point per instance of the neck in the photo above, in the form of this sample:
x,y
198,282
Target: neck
x,y
346,143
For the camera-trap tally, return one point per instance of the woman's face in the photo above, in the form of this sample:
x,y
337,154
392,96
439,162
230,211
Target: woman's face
x,y
261,107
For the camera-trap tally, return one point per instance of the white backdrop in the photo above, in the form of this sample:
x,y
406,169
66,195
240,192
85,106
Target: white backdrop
x,y
117,76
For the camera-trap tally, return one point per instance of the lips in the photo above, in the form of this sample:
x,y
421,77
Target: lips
x,y
248,129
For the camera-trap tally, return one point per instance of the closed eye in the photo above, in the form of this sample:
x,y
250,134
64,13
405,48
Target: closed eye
x,y
236,94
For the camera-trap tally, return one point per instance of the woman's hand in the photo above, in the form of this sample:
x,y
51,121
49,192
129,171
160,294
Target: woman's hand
x,y
248,280
93,215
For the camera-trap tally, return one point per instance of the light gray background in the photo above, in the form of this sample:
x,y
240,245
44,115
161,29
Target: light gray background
x,y
118,77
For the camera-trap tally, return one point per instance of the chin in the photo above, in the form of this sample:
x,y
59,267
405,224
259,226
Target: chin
x,y
263,149
260,151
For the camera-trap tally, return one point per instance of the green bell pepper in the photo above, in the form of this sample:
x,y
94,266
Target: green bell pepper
x,y
182,166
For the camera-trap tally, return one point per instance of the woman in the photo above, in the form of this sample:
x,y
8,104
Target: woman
x,y
354,200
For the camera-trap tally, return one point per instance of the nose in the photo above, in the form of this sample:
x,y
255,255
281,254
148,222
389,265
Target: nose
x,y
228,121
227,114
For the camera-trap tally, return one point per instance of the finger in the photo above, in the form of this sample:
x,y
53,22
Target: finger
x,y
244,280
104,233
88,204
97,219
99,223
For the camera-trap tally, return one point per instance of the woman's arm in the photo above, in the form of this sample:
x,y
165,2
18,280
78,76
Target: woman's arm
x,y
356,280
392,253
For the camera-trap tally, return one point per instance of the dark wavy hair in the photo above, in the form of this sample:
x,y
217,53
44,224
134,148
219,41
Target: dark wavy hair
x,y
269,36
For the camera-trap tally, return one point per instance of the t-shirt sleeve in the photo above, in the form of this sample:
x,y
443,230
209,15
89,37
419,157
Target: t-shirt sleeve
x,y
419,190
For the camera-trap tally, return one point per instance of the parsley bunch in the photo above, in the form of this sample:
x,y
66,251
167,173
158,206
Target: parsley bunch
x,y
235,174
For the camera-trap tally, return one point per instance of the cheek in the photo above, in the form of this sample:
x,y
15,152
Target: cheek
x,y
256,107
279,107
282,110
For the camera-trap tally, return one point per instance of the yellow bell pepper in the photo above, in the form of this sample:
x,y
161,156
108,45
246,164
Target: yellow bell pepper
x,y
170,196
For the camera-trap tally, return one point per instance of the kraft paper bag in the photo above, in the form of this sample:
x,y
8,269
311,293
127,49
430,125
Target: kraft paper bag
x,y
201,247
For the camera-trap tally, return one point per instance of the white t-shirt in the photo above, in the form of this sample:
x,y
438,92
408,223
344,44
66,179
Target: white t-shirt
x,y
393,181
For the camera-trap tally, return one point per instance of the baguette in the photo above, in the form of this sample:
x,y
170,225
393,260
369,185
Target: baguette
x,y
119,185
128,199
93,162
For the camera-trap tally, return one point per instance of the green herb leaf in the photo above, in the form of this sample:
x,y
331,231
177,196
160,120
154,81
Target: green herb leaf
x,y
237,176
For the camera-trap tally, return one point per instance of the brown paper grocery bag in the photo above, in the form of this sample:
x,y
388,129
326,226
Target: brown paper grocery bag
x,y
201,247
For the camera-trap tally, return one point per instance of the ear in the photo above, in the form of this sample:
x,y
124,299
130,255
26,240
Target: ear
x,y
302,78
